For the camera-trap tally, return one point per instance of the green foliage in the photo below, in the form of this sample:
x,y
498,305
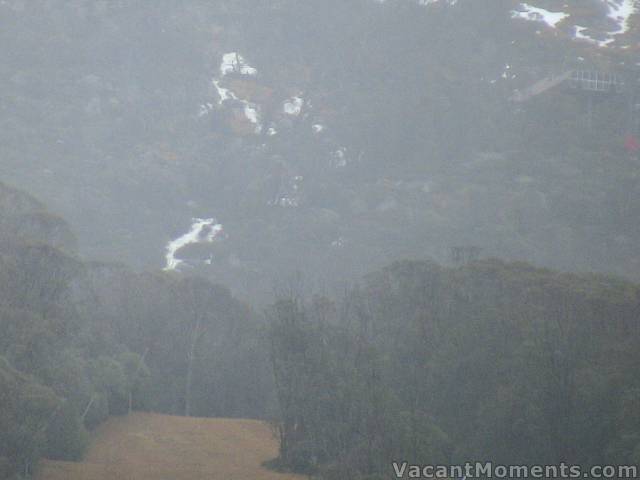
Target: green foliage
x,y
110,379
98,410
499,360
70,378
67,438
495,360
138,379
437,155
26,408
81,342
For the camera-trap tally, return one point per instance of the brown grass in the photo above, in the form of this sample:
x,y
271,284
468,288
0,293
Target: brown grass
x,y
146,446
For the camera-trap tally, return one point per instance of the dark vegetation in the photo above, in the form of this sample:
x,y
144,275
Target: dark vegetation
x,y
100,120
498,361
490,360
494,359
82,341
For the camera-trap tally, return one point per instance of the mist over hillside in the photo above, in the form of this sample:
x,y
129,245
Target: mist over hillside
x,y
389,229
324,137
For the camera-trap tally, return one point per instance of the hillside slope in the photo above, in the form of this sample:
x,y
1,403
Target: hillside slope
x,y
191,137
145,446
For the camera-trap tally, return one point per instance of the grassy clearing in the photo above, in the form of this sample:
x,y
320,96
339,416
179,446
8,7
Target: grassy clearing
x,y
145,446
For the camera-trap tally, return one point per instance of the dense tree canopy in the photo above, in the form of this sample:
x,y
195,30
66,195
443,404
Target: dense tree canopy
x,y
82,341
495,360
352,134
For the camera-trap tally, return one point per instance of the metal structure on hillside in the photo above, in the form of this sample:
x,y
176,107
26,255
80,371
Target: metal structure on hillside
x,y
593,85
595,81
582,80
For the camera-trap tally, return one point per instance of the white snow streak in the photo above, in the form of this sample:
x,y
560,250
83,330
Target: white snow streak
x,y
620,11
580,35
293,106
234,62
529,12
203,230
223,93
251,112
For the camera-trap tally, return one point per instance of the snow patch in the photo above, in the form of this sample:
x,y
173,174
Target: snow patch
x,y
251,112
234,62
580,35
507,73
339,158
531,13
223,93
338,243
205,108
293,106
203,230
620,11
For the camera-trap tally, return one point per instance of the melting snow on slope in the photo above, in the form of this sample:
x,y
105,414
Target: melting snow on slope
x,y
620,11
539,15
339,158
203,230
338,243
234,62
205,108
223,93
506,73
251,112
580,35
293,106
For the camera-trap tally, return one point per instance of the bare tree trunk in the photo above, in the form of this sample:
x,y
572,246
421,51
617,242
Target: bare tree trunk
x,y
195,335
133,380
88,407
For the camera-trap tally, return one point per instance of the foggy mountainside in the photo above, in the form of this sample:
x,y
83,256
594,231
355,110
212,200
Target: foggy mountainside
x,y
343,135
393,229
